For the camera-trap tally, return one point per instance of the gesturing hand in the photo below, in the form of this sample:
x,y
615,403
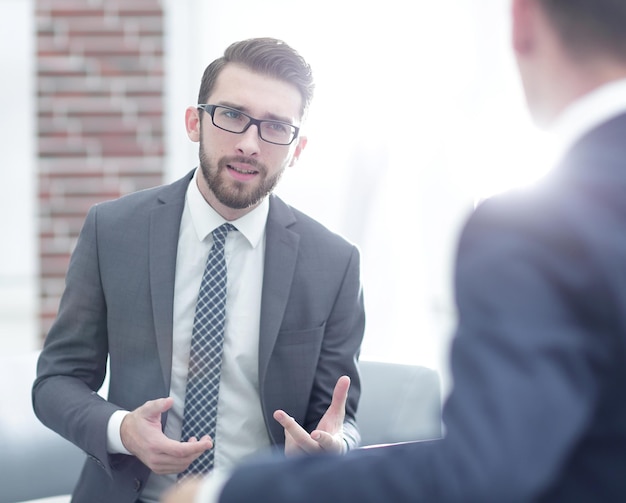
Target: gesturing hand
x,y
142,436
328,436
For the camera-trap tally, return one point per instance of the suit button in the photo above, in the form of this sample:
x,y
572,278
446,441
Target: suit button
x,y
137,484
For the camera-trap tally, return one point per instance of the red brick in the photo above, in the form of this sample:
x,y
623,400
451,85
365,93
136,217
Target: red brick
x,y
56,245
71,225
55,264
53,286
55,148
60,65
100,112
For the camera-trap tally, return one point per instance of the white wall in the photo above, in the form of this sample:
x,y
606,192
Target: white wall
x,y
18,261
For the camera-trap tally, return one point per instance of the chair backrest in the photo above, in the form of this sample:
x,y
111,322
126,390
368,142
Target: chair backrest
x,y
35,462
399,403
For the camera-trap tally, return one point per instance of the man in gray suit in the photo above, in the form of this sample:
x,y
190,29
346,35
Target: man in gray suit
x,y
537,412
294,309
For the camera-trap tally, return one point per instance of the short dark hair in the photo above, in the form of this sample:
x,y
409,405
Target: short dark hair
x,y
267,56
588,27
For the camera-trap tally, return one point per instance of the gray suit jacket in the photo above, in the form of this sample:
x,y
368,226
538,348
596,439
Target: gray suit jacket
x,y
118,303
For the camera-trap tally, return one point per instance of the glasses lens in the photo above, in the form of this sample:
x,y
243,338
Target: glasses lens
x,y
277,132
230,120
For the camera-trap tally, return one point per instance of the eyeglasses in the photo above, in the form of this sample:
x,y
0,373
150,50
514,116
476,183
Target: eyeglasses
x,y
235,121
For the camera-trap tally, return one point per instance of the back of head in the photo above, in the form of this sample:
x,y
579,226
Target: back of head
x,y
266,56
565,49
589,27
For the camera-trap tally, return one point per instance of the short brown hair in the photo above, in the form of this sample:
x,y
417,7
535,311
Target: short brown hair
x,y
588,27
267,56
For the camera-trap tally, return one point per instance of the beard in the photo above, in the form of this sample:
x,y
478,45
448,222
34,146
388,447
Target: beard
x,y
234,194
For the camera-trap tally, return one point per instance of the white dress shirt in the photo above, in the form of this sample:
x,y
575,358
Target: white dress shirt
x,y
240,429
588,112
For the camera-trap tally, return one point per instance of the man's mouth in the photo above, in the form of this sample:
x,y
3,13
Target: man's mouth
x,y
242,170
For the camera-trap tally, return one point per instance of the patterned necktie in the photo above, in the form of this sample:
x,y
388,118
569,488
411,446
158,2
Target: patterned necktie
x,y
205,357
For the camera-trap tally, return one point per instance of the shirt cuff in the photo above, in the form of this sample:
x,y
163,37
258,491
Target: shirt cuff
x,y
114,436
211,487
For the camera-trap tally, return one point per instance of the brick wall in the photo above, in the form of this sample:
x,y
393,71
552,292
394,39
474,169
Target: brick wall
x,y
100,118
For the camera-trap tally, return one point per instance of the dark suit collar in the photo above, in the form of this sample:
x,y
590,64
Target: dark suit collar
x,y
174,192
164,229
598,154
280,212
608,134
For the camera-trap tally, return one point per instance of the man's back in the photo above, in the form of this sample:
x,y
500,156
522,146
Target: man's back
x,y
541,286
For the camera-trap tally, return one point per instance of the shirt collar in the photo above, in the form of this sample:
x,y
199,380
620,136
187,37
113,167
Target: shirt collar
x,y
583,115
205,219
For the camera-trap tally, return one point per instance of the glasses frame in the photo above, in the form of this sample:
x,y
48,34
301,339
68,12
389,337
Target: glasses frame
x,y
210,109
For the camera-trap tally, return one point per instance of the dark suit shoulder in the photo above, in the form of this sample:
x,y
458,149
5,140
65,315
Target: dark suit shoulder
x,y
588,187
589,180
306,226
146,199
567,229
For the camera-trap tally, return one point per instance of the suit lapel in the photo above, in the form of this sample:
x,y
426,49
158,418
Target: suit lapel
x,y
164,229
281,250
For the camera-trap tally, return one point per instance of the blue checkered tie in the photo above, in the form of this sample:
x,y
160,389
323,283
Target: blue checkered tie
x,y
205,358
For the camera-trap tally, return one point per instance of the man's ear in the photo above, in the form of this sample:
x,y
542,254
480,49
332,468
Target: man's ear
x,y
192,123
302,141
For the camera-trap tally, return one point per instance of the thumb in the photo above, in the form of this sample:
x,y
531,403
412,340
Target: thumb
x,y
325,440
154,408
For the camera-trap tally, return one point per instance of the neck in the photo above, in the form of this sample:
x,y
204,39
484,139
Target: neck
x,y
568,82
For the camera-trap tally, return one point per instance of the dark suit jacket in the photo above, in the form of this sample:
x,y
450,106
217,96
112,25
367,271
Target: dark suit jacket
x,y
118,301
538,409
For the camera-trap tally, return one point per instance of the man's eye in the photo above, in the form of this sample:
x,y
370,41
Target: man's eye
x,y
277,127
232,114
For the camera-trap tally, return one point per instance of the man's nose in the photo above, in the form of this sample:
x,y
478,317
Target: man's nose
x,y
249,142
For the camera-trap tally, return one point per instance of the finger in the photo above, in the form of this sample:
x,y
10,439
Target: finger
x,y
181,454
205,441
173,457
327,441
299,435
340,396
197,445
